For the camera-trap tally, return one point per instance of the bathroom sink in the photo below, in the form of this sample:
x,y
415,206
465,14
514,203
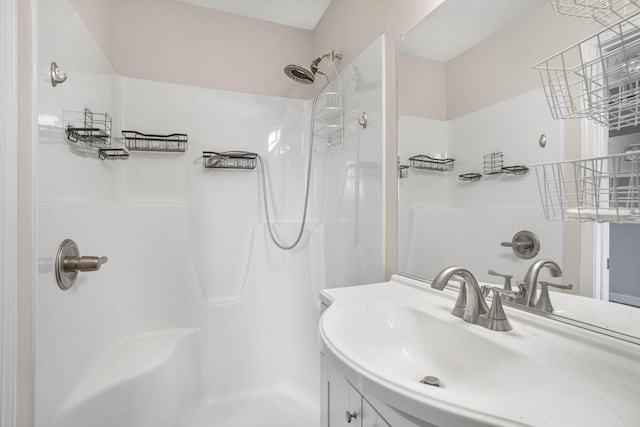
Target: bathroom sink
x,y
384,338
408,343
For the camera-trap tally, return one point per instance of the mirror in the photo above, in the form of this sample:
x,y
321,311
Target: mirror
x,y
467,91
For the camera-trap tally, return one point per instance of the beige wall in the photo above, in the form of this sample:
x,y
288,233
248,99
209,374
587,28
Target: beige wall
x,y
171,41
501,67
349,26
422,90
98,16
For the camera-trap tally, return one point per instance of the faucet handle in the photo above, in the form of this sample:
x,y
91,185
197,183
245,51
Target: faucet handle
x,y
544,302
461,301
509,294
507,279
497,320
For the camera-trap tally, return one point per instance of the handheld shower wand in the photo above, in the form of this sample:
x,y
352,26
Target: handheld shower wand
x,y
302,75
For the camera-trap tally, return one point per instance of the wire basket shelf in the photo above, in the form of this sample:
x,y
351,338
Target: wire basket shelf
x,y
470,177
424,162
604,12
493,163
92,129
113,154
229,160
138,141
598,78
516,170
602,189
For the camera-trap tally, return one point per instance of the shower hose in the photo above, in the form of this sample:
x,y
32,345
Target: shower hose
x,y
272,234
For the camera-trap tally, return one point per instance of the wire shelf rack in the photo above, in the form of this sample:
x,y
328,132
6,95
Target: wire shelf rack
x,y
470,177
602,189
138,141
493,163
113,154
424,162
229,160
604,12
516,170
92,129
598,78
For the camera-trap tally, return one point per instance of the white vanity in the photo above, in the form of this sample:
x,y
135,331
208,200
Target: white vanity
x,y
379,341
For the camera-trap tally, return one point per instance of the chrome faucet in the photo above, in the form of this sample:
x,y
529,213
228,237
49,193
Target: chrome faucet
x,y
531,280
470,303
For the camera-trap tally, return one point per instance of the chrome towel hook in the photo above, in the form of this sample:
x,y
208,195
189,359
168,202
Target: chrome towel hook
x,y
363,120
54,73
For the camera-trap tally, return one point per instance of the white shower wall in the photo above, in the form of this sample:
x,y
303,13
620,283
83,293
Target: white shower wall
x,y
445,221
189,256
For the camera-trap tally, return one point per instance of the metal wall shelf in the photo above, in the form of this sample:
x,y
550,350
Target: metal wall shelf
x,y
113,154
229,160
92,129
138,141
598,78
602,189
424,162
604,12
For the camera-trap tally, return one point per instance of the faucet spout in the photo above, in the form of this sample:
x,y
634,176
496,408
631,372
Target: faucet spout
x,y
531,279
470,304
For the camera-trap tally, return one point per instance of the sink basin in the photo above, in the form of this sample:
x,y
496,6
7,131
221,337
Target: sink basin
x,y
407,343
384,338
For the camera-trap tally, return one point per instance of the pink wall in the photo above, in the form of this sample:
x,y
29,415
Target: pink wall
x,y
500,67
422,88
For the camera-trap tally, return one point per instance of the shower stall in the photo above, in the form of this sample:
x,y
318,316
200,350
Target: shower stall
x,y
197,318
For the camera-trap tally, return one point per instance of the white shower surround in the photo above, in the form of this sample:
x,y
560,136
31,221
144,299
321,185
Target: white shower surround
x,y
196,309
439,214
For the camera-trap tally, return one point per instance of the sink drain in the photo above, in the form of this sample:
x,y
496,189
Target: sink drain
x,y
431,380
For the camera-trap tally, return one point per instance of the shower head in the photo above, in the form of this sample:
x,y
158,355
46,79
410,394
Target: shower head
x,y
300,74
306,75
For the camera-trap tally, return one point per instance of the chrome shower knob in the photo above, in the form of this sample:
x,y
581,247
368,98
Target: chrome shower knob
x,y
69,263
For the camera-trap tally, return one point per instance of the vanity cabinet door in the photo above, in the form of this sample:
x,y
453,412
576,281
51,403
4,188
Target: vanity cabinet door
x,y
345,403
370,417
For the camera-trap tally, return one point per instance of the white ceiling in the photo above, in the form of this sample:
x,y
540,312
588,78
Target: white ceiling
x,y
296,13
457,25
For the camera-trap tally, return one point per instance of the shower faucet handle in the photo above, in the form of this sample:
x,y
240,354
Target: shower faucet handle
x,y
69,263
83,263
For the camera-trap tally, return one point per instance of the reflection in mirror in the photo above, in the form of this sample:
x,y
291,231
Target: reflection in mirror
x,y
467,91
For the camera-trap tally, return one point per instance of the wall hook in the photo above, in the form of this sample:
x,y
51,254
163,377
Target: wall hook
x,y
54,73
363,120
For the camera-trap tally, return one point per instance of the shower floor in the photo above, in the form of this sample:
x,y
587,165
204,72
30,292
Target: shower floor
x,y
273,409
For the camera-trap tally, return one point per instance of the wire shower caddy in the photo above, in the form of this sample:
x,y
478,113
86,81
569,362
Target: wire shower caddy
x,y
598,78
171,143
602,189
89,128
424,162
229,159
604,12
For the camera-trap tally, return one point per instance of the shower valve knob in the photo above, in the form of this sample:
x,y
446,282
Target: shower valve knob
x,y
83,263
69,263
